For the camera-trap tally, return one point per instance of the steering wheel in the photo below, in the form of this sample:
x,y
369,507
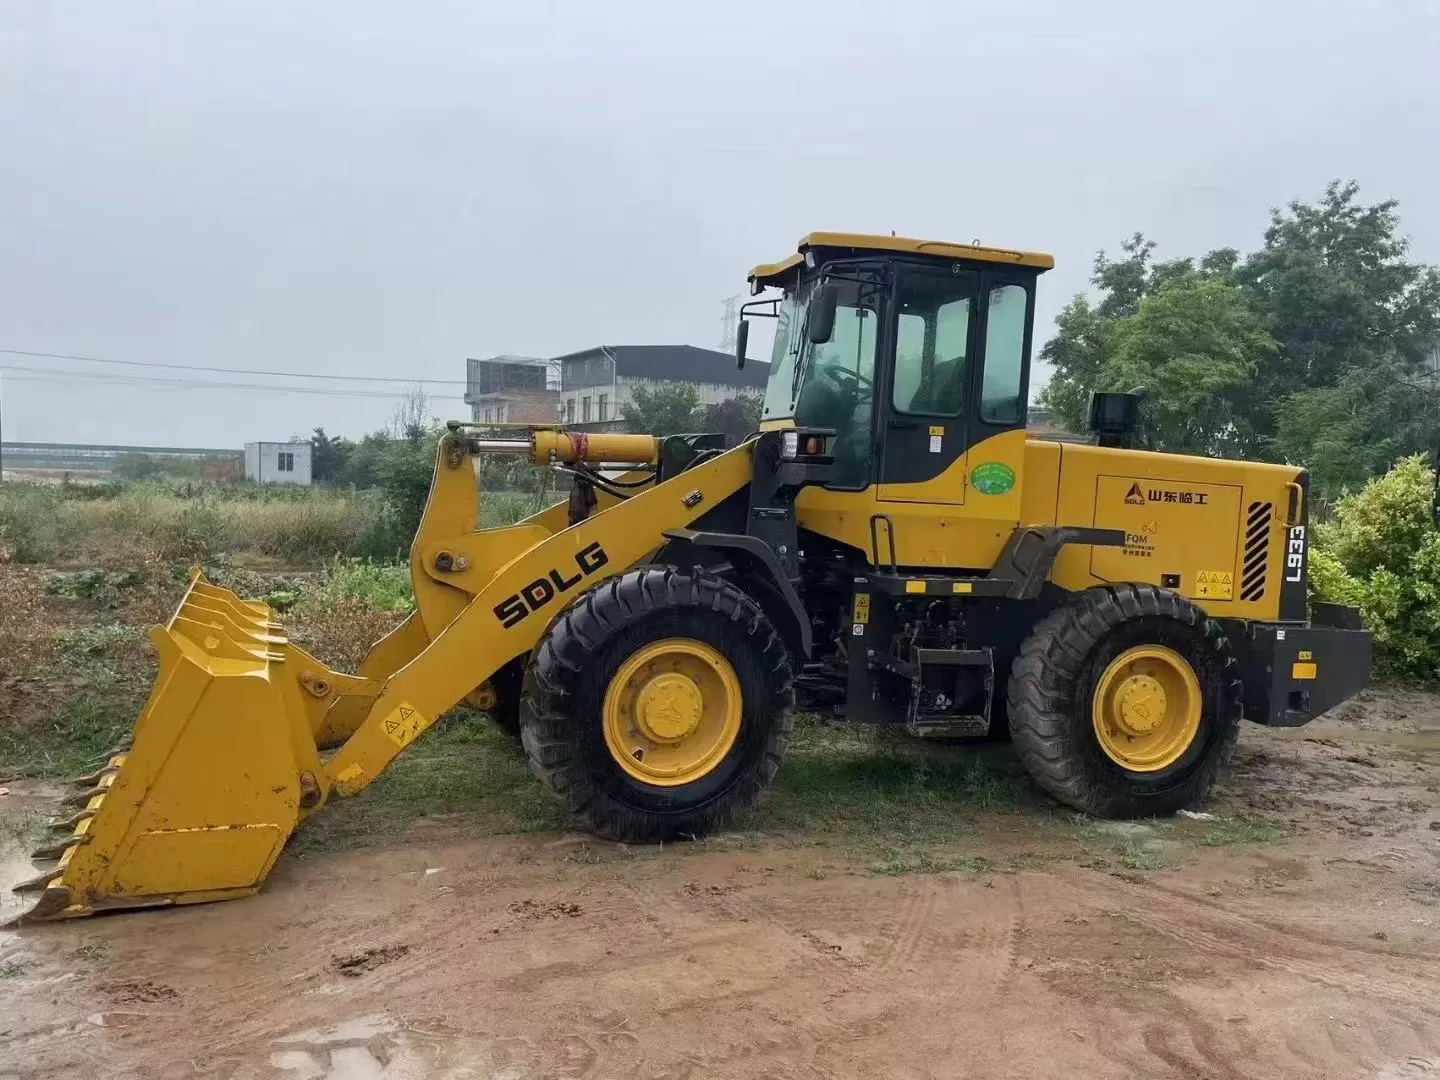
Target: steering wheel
x,y
851,382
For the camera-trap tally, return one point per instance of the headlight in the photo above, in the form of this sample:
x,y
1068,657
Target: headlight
x,y
790,444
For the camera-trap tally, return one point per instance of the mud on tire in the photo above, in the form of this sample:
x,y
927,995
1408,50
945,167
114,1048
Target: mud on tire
x,y
565,684
1052,683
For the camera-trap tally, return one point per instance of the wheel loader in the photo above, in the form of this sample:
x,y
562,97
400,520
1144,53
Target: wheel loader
x,y
891,543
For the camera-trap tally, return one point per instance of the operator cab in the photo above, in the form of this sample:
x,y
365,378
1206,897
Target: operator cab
x,y
937,334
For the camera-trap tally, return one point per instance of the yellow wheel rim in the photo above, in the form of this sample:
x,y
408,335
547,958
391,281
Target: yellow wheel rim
x,y
1146,708
672,712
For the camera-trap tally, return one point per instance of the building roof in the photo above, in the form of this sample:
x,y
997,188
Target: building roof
x,y
687,363
503,373
506,358
903,244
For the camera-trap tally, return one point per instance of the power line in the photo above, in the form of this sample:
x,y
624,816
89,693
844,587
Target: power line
x,y
230,371
23,373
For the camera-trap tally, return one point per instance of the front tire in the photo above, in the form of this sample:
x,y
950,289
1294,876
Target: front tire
x,y
1125,702
658,705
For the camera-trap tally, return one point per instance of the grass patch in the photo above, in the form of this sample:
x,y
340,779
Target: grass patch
x,y
968,864
311,524
91,641
1138,855
13,969
877,788
78,734
30,529
463,769
507,507
77,584
377,586
900,862
906,862
1242,830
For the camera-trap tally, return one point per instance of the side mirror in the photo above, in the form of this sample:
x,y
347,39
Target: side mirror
x,y
820,314
742,338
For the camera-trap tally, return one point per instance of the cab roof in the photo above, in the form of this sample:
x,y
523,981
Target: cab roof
x,y
767,273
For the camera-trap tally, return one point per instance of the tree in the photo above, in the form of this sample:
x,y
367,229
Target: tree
x,y
404,470
1085,333
411,419
735,417
365,458
666,408
1342,376
1351,389
1381,552
1194,346
330,458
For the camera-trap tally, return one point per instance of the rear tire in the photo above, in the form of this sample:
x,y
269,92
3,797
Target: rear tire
x,y
563,705
1069,656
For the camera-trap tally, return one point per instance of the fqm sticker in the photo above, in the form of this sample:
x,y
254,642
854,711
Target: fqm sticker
x,y
992,478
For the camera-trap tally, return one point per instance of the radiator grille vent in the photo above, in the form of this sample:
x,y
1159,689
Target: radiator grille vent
x,y
1257,550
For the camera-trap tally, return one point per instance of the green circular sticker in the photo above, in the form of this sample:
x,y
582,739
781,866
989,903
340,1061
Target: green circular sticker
x,y
992,478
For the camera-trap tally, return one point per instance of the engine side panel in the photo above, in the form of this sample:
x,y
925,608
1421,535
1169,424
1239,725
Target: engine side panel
x,y
1216,531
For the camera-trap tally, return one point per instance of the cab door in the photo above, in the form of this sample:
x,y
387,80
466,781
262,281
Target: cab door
x,y
922,412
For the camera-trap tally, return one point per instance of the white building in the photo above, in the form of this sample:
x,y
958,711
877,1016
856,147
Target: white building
x,y
595,384
277,462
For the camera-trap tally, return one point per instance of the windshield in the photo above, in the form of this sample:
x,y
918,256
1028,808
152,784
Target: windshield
x,y
779,399
830,384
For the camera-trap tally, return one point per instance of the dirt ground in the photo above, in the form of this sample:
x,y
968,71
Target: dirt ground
x,y
1297,935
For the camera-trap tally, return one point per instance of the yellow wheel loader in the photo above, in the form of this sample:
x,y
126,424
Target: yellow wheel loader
x,y
891,543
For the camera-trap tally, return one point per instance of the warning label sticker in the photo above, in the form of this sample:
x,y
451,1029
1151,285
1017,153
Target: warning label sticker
x,y
1215,585
404,724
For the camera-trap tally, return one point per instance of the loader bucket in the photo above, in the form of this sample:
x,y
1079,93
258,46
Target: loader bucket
x,y
198,801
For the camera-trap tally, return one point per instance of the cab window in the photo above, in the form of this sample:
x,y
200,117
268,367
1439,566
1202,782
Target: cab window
x,y
1004,355
932,342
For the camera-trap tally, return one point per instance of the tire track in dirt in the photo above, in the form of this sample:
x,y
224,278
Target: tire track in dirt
x,y
944,946
1194,1046
1211,930
1289,931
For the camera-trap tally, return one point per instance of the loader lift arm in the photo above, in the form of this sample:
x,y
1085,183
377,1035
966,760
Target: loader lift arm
x,y
510,612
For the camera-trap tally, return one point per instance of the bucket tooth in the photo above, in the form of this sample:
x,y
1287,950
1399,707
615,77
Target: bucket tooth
x,y
47,852
66,826
39,882
82,798
94,779
52,904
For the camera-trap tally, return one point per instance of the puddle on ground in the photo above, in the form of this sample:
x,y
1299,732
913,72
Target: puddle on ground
x,y
378,1048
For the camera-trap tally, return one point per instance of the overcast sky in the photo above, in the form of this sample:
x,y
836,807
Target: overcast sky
x,y
377,188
